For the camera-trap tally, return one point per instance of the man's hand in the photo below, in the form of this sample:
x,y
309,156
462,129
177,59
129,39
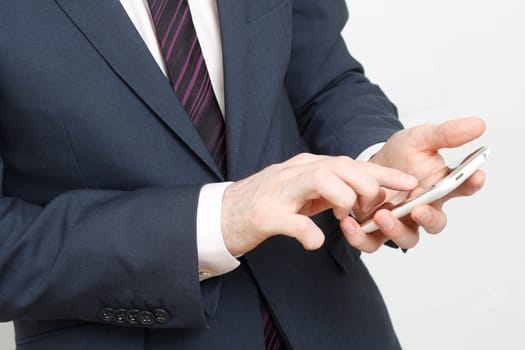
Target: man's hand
x,y
415,151
281,198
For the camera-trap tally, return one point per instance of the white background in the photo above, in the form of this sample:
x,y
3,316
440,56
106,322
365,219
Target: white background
x,y
437,60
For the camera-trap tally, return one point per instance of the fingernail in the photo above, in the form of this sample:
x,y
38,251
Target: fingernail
x,y
385,221
425,216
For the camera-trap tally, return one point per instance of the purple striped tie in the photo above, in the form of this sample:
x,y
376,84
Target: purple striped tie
x,y
188,73
272,338
190,80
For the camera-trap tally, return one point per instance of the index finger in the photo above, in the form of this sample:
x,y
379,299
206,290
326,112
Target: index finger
x,y
388,178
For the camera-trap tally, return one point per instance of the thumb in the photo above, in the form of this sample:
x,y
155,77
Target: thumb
x,y
303,229
450,134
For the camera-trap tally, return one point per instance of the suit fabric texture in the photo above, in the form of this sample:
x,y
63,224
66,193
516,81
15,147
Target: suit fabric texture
x,y
101,170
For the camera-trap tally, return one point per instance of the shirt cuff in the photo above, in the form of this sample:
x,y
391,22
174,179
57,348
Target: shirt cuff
x,y
365,156
368,153
214,258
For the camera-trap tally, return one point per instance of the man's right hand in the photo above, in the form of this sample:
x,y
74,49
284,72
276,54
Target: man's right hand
x,y
281,198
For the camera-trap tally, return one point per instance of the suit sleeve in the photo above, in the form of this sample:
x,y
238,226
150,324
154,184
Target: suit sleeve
x,y
94,254
339,111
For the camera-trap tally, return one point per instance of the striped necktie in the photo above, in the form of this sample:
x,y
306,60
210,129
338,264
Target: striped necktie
x,y
188,73
191,82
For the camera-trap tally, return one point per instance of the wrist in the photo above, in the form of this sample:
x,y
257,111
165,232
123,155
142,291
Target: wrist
x,y
229,222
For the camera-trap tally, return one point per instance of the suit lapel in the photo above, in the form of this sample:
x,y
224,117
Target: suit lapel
x,y
106,25
249,90
234,45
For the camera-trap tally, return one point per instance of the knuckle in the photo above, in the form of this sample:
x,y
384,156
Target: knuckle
x,y
370,249
417,129
275,166
396,235
434,222
319,176
302,157
368,185
351,199
438,226
301,227
413,242
370,190
358,241
343,163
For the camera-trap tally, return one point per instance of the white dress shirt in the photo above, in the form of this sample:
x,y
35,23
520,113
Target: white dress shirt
x,y
213,256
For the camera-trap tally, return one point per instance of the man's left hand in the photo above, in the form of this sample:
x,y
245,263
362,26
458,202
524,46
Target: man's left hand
x,y
416,151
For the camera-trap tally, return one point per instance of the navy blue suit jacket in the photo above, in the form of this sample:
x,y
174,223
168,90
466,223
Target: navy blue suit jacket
x,y
101,171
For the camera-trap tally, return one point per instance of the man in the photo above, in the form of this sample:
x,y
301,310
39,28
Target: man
x,y
147,204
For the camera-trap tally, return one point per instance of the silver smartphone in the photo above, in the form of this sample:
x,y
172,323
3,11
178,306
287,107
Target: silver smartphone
x,y
455,175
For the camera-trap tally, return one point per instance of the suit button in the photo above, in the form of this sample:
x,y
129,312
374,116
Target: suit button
x,y
120,315
146,318
106,314
132,316
161,316
204,274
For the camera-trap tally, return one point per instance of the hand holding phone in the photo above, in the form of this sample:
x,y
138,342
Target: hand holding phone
x,y
456,175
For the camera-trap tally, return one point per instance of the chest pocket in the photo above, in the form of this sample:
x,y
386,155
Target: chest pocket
x,y
258,8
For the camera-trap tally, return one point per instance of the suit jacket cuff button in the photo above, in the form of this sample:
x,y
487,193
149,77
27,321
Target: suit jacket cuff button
x,y
120,316
106,314
146,318
133,316
161,316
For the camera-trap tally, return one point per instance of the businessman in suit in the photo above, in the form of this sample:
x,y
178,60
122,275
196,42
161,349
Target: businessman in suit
x,y
178,175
